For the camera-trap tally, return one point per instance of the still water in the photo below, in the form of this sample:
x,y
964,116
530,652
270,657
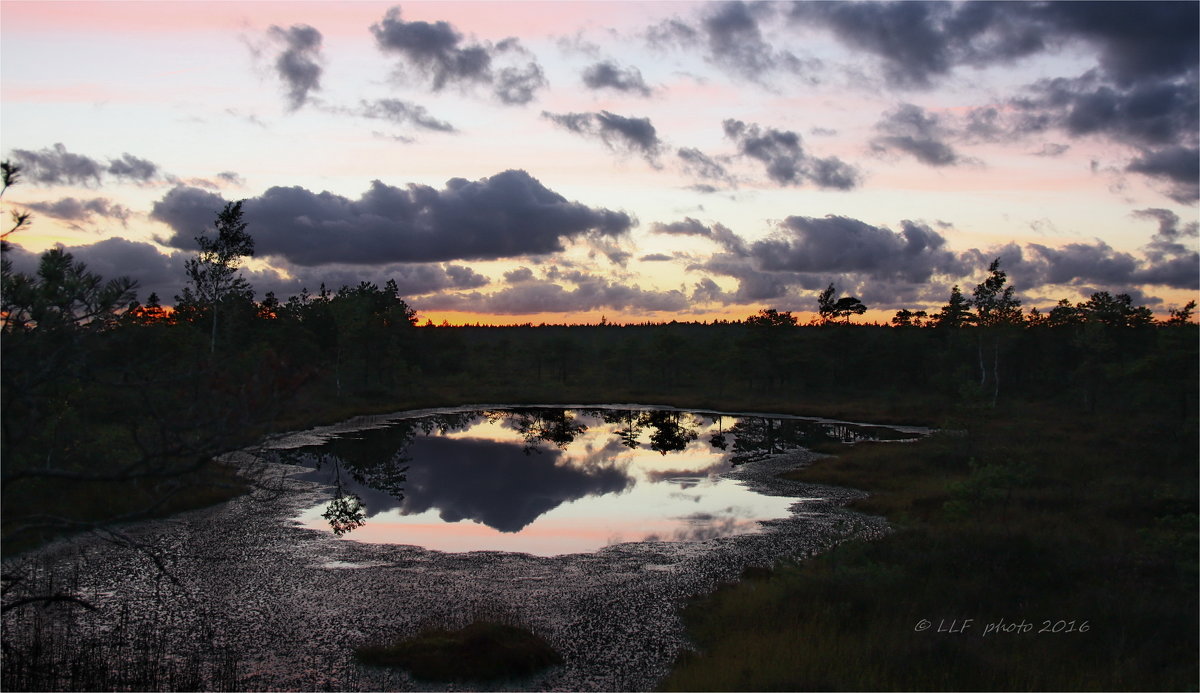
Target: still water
x,y
551,481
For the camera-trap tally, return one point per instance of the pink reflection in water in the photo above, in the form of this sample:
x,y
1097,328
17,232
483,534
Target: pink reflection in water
x,y
665,496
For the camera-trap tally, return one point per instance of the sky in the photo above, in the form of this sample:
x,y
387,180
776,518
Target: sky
x,y
560,162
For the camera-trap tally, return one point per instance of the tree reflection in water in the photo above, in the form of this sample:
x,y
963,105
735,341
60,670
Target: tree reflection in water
x,y
555,426
345,513
438,462
670,432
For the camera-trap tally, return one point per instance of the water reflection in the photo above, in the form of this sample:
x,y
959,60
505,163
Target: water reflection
x,y
497,484
553,480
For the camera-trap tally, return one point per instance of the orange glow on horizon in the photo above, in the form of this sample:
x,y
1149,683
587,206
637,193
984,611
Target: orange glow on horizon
x,y
464,318
457,318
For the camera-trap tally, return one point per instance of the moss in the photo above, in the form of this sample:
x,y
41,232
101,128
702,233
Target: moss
x,y
482,651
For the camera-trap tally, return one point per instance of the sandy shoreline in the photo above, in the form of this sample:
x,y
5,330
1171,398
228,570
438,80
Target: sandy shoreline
x,y
294,602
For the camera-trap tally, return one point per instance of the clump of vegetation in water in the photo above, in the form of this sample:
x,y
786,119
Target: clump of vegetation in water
x,y
482,651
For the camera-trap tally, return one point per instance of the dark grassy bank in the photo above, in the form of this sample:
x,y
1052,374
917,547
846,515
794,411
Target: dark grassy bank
x,y
1072,535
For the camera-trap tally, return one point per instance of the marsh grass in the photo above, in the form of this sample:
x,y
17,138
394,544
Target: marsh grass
x,y
130,645
480,651
1025,515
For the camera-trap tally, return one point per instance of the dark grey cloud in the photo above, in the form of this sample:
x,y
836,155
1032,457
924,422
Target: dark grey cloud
x,y
164,274
920,41
699,164
840,244
299,62
606,247
1179,167
404,113
1150,113
462,277
153,271
1170,227
412,279
912,130
1090,267
57,166
708,291
576,43
510,214
435,48
734,40
1077,263
718,233
619,133
754,282
78,210
655,257
189,211
1085,265
1172,251
232,178
986,124
687,227
672,32
782,153
519,85
1052,149
1137,41
1174,272
734,37
132,168
730,35
609,75
520,274
889,269
441,54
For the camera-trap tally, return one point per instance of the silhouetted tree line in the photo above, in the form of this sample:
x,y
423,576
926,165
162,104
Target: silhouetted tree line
x,y
97,386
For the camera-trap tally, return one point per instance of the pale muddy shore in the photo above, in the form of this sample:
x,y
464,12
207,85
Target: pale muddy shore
x,y
290,603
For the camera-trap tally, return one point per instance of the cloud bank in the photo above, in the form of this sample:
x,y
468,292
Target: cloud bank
x,y
509,214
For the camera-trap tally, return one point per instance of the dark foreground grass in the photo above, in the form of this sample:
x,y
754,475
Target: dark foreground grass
x,y
59,646
1035,550
42,510
481,651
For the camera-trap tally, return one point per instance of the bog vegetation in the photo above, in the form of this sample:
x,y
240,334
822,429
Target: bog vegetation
x,y
1072,475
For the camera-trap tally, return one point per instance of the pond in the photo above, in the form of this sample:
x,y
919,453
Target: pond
x,y
550,481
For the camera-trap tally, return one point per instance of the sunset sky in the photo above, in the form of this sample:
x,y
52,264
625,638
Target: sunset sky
x,y
508,162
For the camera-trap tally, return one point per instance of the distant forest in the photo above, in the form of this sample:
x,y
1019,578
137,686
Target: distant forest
x,y
100,388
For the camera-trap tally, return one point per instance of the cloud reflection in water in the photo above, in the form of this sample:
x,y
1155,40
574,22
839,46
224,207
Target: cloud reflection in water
x,y
552,481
